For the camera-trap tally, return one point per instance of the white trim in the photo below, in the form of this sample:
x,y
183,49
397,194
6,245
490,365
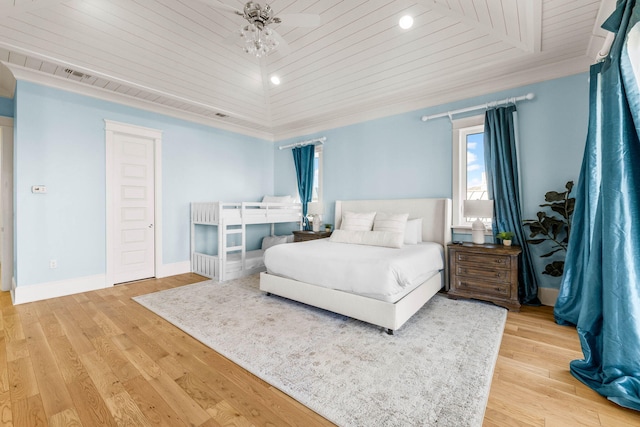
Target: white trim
x,y
403,102
40,291
548,296
422,98
33,76
112,127
7,202
173,269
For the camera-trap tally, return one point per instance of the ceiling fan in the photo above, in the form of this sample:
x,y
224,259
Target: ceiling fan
x,y
258,38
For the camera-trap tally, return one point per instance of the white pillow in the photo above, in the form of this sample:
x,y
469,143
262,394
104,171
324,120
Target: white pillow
x,y
387,239
357,221
269,241
277,199
395,223
413,232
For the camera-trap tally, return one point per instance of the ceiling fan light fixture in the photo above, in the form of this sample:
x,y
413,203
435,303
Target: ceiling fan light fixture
x,y
258,39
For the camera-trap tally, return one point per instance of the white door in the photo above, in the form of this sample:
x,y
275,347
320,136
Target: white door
x,y
133,208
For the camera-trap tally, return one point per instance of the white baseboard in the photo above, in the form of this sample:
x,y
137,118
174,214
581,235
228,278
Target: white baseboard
x,y
40,291
548,296
173,269
60,288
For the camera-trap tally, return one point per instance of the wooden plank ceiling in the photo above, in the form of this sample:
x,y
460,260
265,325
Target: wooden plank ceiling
x,y
357,64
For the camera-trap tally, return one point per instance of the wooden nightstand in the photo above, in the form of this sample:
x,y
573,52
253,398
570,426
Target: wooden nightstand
x,y
303,236
485,272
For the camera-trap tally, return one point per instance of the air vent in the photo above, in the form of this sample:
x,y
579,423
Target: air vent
x,y
221,115
75,73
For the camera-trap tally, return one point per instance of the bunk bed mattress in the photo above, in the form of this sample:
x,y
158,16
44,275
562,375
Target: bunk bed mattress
x,y
385,274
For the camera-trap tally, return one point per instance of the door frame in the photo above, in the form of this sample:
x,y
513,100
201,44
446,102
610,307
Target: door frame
x,y
112,128
7,204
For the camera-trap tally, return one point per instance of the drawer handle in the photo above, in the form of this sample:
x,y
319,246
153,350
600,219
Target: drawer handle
x,y
499,261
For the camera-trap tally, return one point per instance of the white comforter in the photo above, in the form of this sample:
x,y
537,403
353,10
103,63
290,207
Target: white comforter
x,y
377,272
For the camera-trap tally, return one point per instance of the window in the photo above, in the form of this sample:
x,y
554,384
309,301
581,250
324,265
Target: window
x,y
317,175
469,175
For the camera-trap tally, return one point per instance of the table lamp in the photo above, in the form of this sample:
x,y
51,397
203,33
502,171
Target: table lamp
x,y
315,209
478,209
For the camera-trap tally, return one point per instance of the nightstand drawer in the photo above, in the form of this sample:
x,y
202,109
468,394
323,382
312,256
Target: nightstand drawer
x,y
493,274
482,287
484,260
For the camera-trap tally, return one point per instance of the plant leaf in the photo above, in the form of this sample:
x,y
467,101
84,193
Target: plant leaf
x,y
555,269
536,241
551,253
569,186
554,196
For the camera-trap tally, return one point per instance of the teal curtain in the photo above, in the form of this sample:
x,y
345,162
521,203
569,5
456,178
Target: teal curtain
x,y
600,290
501,162
303,159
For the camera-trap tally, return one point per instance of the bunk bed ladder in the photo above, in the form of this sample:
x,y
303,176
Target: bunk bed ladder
x,y
224,249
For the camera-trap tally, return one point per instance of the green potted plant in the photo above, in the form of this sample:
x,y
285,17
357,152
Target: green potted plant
x,y
328,227
554,229
506,237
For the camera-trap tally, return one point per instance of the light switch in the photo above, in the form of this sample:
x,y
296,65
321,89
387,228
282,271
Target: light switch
x,y
38,189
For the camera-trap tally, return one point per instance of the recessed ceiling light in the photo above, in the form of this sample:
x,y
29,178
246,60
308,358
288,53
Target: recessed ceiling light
x,y
406,22
275,80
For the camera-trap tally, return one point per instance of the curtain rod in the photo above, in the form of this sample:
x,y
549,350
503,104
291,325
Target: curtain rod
x,y
486,106
303,143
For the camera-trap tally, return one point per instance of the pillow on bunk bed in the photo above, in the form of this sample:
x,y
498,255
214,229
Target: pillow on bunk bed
x,y
269,241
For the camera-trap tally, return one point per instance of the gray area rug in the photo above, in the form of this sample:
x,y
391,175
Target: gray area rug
x,y
435,370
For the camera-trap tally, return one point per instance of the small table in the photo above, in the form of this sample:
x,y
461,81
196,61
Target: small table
x,y
303,236
485,272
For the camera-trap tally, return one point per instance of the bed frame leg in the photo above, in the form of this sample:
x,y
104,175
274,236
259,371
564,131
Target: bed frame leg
x,y
389,331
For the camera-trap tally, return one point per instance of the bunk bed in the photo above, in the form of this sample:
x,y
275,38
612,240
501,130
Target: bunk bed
x,y
233,260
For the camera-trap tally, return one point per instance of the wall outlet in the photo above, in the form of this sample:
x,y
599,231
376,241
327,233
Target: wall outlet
x,y
53,264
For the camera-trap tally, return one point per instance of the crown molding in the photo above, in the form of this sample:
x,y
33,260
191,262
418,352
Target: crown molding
x,y
33,76
420,99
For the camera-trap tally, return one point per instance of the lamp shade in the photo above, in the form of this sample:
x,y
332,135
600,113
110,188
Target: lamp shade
x,y
315,208
478,209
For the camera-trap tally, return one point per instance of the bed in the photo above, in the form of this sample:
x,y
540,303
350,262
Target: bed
x,y
231,219
388,314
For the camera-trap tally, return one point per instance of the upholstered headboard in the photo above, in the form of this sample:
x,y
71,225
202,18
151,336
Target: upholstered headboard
x,y
435,214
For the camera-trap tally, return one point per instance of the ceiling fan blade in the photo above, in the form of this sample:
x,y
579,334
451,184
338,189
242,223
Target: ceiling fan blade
x,y
283,48
217,4
299,19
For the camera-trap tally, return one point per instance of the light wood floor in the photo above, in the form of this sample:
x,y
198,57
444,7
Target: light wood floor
x,y
100,359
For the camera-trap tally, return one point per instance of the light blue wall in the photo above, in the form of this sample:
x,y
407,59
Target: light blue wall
x,y
60,143
6,107
401,156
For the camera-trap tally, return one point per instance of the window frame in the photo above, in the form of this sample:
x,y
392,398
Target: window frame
x,y
318,152
462,128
